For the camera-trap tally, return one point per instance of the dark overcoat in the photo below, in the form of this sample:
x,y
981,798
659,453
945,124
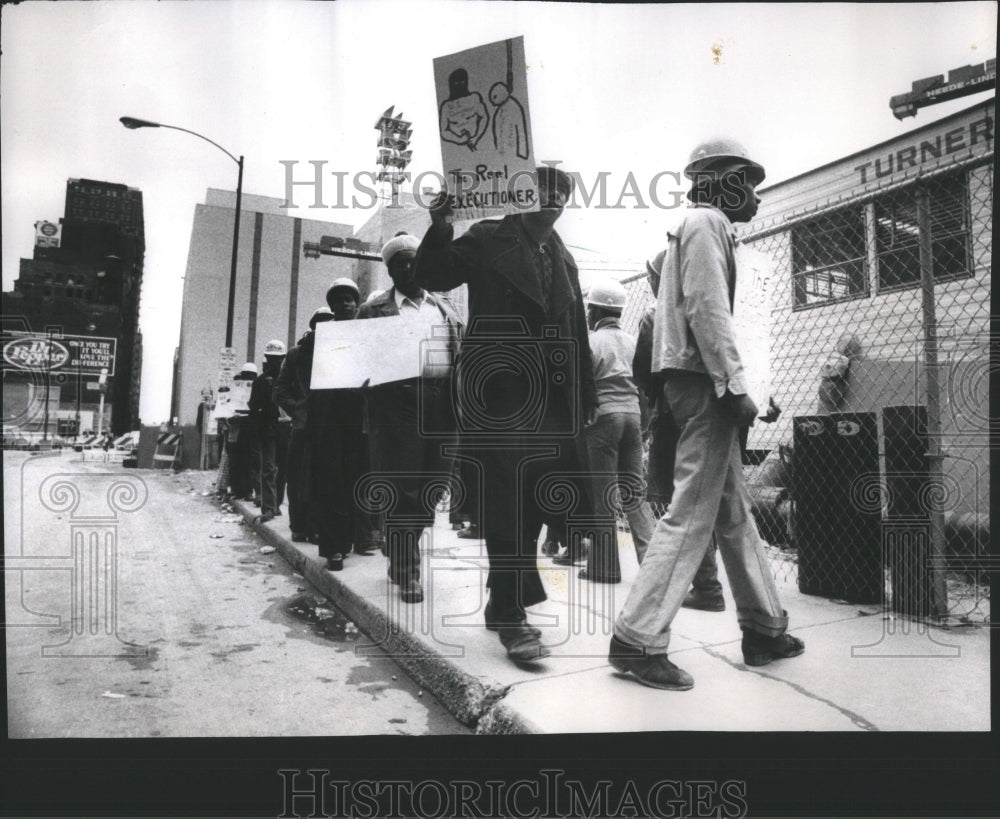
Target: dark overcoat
x,y
524,372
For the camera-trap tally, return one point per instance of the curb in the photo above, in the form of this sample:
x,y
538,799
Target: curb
x,y
466,697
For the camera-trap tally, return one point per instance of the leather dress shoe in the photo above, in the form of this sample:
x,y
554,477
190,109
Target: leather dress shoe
x,y
550,548
522,643
653,670
335,562
411,592
494,623
470,532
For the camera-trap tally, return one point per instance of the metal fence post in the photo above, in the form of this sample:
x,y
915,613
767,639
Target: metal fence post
x,y
933,388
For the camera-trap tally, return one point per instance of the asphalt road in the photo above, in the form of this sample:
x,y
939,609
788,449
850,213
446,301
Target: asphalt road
x,y
137,608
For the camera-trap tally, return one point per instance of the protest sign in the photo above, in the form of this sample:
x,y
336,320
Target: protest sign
x,y
485,130
379,350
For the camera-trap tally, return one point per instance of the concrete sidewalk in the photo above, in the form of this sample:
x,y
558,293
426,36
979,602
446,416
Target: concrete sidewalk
x,y
862,669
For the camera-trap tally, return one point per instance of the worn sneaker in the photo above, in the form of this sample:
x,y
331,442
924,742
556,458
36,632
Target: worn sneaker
x,y
653,670
761,650
703,601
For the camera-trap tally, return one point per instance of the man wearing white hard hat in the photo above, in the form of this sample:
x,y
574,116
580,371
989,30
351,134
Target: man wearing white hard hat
x,y
291,391
695,353
395,411
614,440
271,425
340,428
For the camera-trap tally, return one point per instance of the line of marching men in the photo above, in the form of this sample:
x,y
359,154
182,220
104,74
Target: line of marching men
x,y
552,439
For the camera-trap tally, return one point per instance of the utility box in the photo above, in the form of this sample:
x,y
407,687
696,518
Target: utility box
x,y
906,529
837,511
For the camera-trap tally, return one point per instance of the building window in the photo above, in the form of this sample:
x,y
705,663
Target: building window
x,y
828,258
897,236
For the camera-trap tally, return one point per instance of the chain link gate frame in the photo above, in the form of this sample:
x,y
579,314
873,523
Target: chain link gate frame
x,y
880,322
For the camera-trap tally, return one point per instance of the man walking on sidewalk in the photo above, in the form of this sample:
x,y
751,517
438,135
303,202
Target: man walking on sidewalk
x,y
706,590
523,286
291,391
266,415
694,347
399,412
614,440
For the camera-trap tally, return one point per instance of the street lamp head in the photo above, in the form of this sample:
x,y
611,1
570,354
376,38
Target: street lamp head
x,y
133,123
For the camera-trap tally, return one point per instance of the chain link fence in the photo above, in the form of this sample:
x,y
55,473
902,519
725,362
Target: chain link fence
x,y
873,485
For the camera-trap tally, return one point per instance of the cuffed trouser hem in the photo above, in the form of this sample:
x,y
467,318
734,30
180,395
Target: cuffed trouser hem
x,y
761,622
653,643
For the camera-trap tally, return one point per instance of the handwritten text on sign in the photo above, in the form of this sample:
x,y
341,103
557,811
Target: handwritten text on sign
x,y
485,130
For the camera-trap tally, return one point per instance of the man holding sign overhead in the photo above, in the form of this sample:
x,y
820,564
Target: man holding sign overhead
x,y
525,386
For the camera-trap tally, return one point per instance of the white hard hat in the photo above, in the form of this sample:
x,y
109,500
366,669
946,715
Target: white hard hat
x,y
249,367
607,293
324,313
275,347
345,283
722,154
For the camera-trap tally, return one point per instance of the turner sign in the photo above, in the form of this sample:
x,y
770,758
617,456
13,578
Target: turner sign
x,y
87,355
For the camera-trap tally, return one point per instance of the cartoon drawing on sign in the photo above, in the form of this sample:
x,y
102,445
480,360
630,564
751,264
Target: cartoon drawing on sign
x,y
510,127
510,134
464,118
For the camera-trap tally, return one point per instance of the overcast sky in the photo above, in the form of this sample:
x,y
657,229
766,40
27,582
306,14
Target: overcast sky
x,y
623,89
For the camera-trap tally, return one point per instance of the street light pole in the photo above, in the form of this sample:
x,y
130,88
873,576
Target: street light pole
x,y
133,123
232,269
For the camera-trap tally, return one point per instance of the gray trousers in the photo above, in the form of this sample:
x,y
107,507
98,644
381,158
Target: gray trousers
x,y
614,444
710,493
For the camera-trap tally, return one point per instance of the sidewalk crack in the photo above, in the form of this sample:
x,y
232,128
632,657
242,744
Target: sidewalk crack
x,y
857,719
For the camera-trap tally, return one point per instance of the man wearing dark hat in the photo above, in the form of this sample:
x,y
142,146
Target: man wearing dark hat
x,y
525,385
704,385
398,443
238,442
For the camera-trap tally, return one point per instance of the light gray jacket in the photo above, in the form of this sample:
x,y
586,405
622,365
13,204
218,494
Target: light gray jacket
x,y
693,321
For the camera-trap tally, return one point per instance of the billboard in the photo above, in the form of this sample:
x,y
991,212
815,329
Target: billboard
x,y
57,352
48,234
